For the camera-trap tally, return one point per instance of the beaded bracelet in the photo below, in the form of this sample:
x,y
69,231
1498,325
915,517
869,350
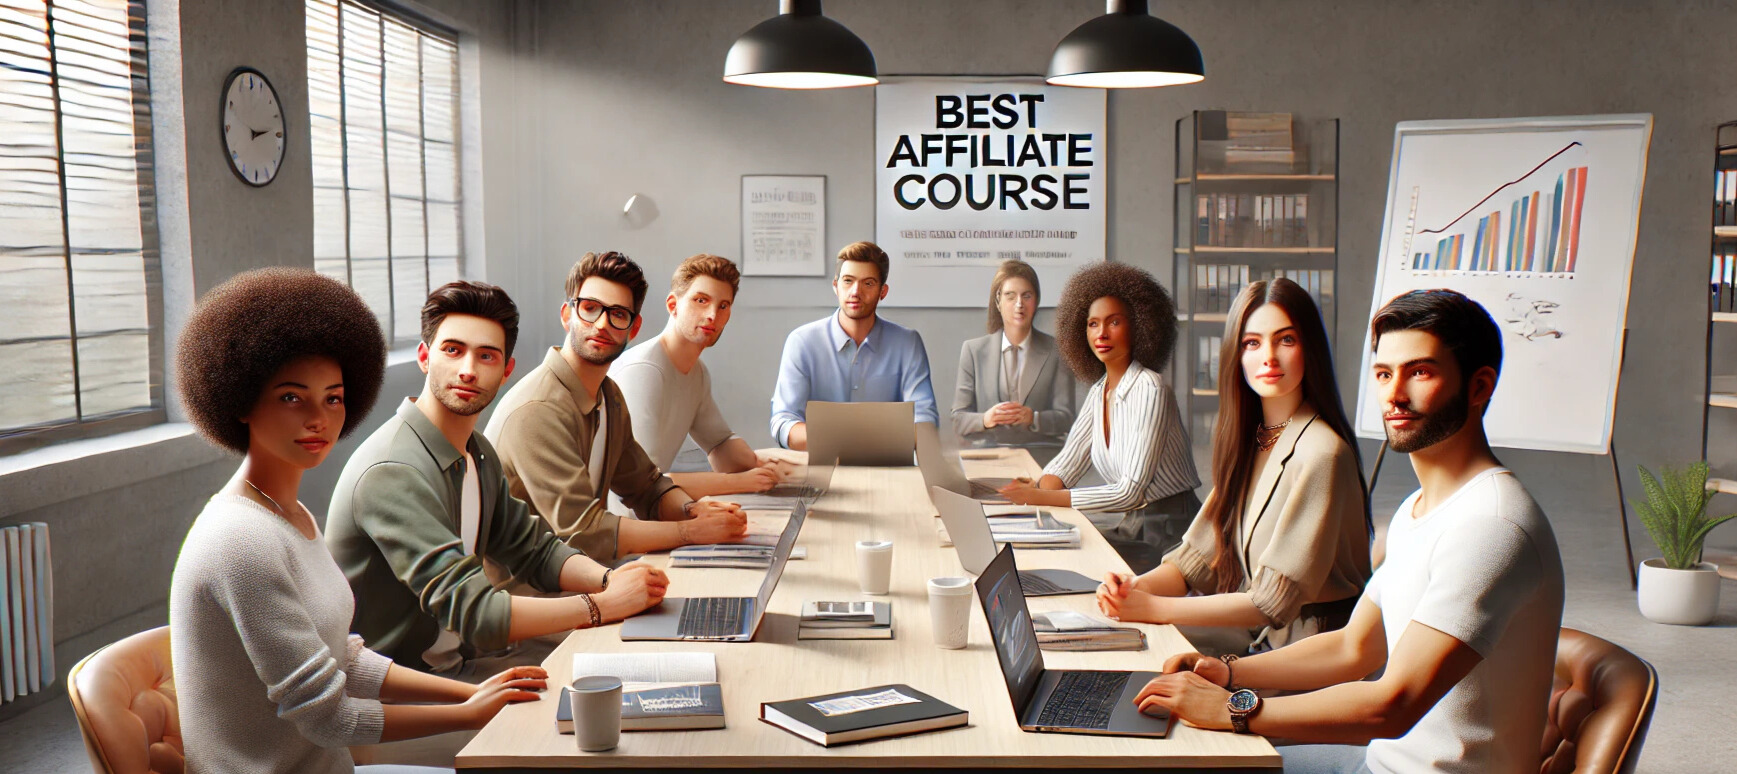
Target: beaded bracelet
x,y
596,614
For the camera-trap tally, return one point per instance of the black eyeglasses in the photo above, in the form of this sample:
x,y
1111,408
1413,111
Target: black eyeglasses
x,y
589,309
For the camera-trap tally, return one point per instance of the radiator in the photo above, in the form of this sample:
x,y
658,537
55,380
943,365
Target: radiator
x,y
26,611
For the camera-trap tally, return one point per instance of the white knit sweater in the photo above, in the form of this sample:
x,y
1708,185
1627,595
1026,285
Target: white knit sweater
x,y
268,677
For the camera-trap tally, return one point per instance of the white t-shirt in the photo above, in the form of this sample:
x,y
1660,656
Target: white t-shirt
x,y
1483,568
667,405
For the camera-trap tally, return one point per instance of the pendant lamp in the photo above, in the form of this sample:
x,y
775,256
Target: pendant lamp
x,y
1126,48
800,49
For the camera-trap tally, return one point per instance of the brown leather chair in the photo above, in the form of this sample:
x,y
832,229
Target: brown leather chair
x,y
124,697
1600,706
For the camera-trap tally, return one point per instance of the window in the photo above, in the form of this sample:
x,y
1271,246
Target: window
x,y
80,307
383,103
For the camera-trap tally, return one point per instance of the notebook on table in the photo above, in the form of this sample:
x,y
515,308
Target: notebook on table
x,y
1067,701
973,539
717,619
861,715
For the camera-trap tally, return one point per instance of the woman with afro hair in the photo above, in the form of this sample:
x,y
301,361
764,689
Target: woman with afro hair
x,y
1116,327
278,365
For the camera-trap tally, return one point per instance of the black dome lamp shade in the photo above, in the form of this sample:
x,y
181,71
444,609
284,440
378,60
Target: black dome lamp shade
x,y
800,49
1126,48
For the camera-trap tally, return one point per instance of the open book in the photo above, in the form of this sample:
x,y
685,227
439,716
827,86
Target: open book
x,y
658,690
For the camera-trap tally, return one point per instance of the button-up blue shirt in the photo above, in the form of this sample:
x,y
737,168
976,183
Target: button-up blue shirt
x,y
823,363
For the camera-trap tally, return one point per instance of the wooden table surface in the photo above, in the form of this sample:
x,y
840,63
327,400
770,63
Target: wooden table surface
x,y
865,503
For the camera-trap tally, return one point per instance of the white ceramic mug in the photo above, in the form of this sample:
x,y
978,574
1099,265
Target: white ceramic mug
x,y
597,712
950,611
874,565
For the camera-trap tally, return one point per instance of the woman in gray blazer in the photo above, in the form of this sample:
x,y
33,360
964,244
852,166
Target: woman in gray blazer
x,y
1013,389
1281,548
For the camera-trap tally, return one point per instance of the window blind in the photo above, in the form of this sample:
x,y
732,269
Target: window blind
x,y
77,232
383,100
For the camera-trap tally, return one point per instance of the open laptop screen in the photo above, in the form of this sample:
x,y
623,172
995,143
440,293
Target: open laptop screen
x,y
781,555
1010,628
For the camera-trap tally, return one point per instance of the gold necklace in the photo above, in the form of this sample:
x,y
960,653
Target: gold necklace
x,y
1268,435
267,497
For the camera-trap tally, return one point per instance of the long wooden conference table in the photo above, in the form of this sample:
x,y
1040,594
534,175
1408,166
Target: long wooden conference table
x,y
866,503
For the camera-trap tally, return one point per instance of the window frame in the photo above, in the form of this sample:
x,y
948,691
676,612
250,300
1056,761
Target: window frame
x,y
423,25
25,438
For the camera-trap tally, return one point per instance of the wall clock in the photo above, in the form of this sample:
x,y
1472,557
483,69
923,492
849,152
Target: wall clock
x,y
253,127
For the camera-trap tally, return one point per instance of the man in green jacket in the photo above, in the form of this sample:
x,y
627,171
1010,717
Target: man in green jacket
x,y
423,502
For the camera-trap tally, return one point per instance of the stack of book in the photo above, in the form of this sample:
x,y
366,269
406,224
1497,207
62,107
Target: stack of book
x,y
745,555
1258,138
659,691
1069,630
846,621
1040,530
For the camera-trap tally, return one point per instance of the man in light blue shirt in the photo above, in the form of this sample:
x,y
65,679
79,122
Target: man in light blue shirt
x,y
853,355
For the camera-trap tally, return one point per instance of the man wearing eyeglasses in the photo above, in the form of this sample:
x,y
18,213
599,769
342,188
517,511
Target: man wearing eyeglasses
x,y
851,355
564,433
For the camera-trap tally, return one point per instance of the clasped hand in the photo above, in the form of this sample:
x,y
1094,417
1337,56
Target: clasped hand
x,y
1007,413
1120,599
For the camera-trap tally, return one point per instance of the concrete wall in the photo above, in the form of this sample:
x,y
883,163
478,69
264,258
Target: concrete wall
x,y
634,104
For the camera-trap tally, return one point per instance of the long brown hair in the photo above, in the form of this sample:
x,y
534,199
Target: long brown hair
x,y
1009,270
1239,413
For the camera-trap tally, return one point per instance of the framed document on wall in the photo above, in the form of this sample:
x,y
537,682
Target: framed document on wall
x,y
784,225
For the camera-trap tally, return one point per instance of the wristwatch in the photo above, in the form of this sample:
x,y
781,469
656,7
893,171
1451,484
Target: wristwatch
x,y
1243,705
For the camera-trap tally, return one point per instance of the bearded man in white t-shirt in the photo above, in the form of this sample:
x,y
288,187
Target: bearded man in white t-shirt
x,y
1463,614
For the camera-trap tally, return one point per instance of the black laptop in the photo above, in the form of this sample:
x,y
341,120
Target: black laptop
x,y
1066,701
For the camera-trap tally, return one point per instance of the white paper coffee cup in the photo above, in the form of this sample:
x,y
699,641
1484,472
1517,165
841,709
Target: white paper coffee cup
x,y
950,611
874,565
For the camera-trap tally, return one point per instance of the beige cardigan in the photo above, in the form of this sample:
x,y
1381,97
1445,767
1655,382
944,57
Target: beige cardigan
x,y
1302,532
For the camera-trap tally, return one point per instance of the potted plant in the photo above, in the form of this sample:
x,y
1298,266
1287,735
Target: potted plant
x,y
1678,588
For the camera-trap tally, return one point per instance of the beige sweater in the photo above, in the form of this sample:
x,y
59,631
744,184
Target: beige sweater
x,y
268,676
1301,536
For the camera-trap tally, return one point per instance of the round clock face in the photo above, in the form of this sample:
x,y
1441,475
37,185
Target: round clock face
x,y
253,127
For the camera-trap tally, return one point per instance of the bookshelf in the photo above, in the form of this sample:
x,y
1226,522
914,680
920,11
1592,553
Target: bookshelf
x,y
1718,417
1257,198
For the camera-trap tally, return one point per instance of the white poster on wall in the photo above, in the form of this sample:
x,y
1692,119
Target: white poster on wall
x,y
783,225
1535,219
972,171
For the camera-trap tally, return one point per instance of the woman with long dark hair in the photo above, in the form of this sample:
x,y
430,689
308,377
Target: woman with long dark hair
x,y
1116,327
1280,550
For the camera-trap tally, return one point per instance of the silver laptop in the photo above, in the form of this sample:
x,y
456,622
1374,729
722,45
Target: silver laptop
x,y
1066,701
717,619
788,495
864,434
975,544
943,471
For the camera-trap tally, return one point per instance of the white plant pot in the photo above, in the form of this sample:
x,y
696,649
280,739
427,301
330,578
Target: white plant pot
x,y
1681,597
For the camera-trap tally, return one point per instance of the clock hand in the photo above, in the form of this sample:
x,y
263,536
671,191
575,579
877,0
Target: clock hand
x,y
255,134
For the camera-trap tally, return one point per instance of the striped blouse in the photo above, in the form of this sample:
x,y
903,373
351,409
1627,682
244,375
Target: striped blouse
x,y
1148,457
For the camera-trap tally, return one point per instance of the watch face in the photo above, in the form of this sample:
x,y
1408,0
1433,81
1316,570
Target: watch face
x,y
1243,700
253,127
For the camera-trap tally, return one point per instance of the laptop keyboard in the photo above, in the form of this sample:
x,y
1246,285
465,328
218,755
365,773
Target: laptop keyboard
x,y
988,488
1037,586
712,617
1083,700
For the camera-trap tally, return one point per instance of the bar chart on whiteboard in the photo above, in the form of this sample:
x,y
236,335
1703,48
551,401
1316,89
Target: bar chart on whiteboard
x,y
1530,226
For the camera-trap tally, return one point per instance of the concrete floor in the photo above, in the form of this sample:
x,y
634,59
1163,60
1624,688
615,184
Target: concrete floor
x,y
1691,729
